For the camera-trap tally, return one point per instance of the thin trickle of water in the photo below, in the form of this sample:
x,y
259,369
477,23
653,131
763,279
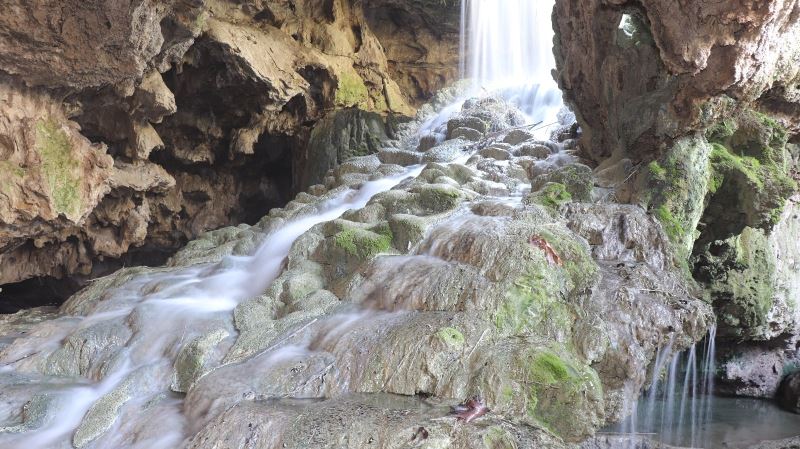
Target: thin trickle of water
x,y
677,407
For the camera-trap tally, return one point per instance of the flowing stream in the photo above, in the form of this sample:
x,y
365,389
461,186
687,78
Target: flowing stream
x,y
175,306
172,308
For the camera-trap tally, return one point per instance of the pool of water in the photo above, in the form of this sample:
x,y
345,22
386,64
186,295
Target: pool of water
x,y
735,423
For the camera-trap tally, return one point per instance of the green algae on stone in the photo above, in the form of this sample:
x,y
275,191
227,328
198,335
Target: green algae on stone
x,y
407,230
672,226
9,172
351,91
562,391
59,167
577,179
104,412
547,368
576,258
451,336
657,171
740,280
498,438
552,195
534,304
537,302
675,188
190,364
363,243
7,169
759,191
438,198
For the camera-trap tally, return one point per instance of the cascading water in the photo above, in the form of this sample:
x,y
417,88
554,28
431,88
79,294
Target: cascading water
x,y
518,62
506,50
677,407
172,309
178,307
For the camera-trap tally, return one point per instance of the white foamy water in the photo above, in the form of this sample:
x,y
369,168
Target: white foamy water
x,y
170,309
507,48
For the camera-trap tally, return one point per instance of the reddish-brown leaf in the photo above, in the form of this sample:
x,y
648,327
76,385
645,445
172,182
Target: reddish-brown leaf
x,y
552,256
470,410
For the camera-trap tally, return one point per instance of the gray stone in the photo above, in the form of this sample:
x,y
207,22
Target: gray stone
x,y
496,153
518,136
789,393
335,139
466,134
400,157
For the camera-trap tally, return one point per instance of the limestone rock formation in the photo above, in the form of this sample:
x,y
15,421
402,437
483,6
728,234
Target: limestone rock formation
x,y
691,110
185,116
789,393
640,75
456,282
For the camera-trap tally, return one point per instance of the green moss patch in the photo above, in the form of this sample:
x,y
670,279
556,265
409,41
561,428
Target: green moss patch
x,y
498,438
351,91
437,198
675,189
537,303
59,167
363,243
451,336
563,393
547,368
740,276
553,195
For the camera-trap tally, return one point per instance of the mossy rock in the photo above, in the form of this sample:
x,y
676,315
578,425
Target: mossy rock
x,y
739,275
552,195
498,438
351,91
563,394
407,230
745,191
451,336
537,303
674,189
59,167
438,198
362,243
577,180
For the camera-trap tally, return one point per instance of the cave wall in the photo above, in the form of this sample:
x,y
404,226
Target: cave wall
x,y
127,129
691,110
642,73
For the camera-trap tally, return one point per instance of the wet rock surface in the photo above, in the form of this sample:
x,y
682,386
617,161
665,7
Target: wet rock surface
x,y
458,282
789,393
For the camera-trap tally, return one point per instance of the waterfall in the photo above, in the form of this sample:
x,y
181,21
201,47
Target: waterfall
x,y
517,62
677,407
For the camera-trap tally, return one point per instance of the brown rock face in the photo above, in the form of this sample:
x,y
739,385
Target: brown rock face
x,y
641,73
420,38
76,43
130,128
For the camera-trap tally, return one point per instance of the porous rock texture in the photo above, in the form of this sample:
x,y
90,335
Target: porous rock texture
x,y
131,127
460,281
690,109
642,73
